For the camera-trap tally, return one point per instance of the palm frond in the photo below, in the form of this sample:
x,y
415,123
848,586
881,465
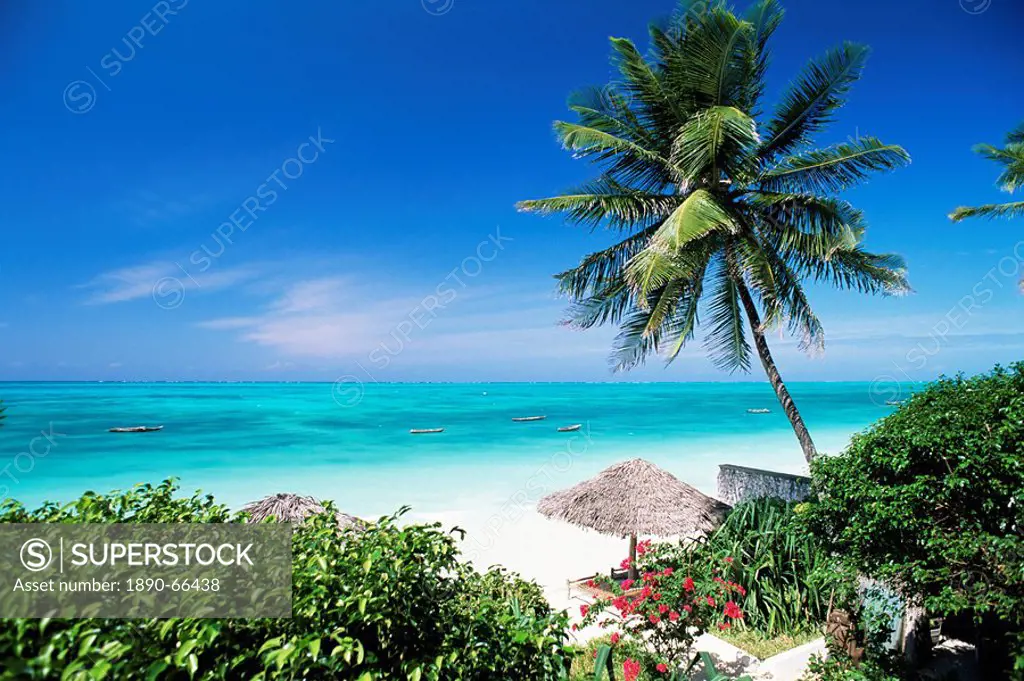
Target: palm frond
x,y
717,139
602,268
994,210
813,98
764,18
607,109
605,202
807,219
1016,136
833,169
607,305
667,316
1012,177
713,58
726,340
643,87
684,323
856,269
782,295
666,257
628,162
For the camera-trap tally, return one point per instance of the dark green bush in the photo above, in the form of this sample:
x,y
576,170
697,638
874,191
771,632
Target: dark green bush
x,y
931,500
391,602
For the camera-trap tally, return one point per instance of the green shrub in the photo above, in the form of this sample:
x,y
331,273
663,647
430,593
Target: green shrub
x,y
839,667
391,602
931,501
790,579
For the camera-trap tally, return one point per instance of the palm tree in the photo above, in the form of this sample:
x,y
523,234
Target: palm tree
x,y
1010,180
718,213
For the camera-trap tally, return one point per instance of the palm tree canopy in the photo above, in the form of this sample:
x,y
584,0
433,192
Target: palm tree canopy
x,y
1011,157
714,202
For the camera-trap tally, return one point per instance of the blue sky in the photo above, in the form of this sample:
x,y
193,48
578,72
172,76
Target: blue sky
x,y
391,247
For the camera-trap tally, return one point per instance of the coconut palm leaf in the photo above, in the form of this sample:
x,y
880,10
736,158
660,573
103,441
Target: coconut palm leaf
x,y
814,98
1010,179
834,169
609,203
1014,209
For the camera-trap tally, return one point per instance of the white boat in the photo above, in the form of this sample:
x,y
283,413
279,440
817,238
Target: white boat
x,y
569,429
425,431
136,429
759,411
520,419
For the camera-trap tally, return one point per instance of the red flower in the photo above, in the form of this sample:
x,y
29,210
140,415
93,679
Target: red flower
x,y
626,563
688,608
724,625
733,611
657,597
668,572
711,601
615,638
662,608
741,590
626,583
584,609
643,547
653,618
575,627
595,652
592,584
662,667
688,584
728,559
631,669
673,616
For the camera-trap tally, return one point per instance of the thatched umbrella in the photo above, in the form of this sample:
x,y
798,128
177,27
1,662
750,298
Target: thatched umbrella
x,y
292,508
635,498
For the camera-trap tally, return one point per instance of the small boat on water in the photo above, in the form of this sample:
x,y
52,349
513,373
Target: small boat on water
x,y
136,429
424,431
894,403
759,411
569,429
520,419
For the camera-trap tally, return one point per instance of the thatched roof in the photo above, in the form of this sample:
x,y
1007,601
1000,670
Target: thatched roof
x,y
635,497
292,508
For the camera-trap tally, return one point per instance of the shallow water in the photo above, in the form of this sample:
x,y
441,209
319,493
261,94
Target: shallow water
x,y
241,441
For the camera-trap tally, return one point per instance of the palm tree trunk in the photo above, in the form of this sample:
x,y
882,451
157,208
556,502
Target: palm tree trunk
x,y
788,405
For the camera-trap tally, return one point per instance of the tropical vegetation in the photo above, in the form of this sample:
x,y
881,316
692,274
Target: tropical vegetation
x,y
389,602
928,500
719,209
1011,157
790,579
666,609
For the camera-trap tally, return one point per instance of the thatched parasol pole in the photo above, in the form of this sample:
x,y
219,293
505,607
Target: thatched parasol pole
x,y
632,557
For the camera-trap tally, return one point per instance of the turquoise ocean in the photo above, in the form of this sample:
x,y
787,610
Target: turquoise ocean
x,y
351,442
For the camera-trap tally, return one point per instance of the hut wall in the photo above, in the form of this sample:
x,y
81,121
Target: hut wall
x,y
739,483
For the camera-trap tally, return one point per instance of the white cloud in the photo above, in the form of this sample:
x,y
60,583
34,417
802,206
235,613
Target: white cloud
x,y
140,281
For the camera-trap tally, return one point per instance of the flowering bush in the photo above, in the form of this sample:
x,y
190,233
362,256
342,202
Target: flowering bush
x,y
664,608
